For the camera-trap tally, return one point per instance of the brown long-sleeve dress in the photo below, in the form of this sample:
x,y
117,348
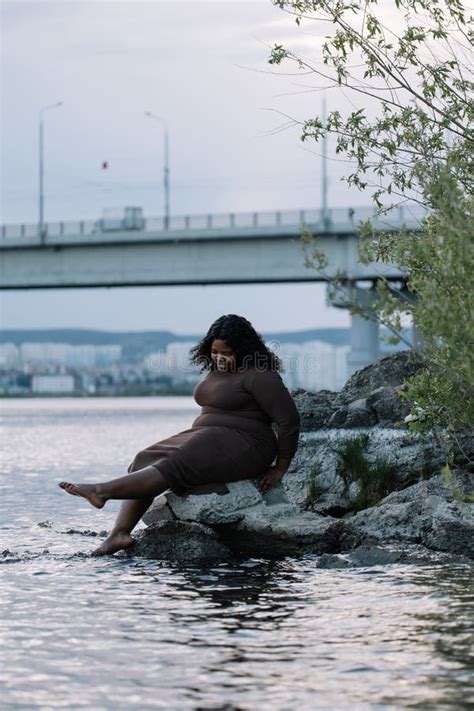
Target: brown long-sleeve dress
x,y
233,437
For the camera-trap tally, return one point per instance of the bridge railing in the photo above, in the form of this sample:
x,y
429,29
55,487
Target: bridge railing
x,y
333,221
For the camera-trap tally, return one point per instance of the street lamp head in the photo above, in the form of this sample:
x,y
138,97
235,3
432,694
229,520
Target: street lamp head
x,y
166,171
151,115
51,106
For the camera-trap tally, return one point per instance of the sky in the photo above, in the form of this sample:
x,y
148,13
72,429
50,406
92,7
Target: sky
x,y
203,67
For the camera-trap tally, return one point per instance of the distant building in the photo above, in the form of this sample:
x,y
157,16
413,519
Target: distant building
x,y
54,384
89,356
155,362
177,359
173,361
83,356
107,355
9,355
313,365
44,353
87,383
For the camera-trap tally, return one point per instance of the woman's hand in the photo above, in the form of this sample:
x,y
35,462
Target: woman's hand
x,y
268,480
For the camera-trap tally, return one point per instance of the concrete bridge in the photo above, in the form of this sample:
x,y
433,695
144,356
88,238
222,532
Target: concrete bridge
x,y
233,248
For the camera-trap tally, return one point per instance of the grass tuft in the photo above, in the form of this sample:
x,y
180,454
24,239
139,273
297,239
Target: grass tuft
x,y
375,480
314,490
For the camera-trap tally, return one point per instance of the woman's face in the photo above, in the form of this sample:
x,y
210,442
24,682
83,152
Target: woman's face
x,y
223,357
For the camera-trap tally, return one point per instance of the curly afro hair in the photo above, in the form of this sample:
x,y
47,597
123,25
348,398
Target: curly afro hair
x,y
248,345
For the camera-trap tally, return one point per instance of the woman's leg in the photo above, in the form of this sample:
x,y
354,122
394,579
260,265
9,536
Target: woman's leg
x,y
139,488
140,484
129,515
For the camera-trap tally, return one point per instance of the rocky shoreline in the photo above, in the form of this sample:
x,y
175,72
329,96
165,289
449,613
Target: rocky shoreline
x,y
361,490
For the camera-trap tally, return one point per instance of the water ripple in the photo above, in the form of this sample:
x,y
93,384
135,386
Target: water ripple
x,y
119,633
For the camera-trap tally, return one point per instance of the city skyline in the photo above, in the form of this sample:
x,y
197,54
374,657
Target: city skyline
x,y
312,365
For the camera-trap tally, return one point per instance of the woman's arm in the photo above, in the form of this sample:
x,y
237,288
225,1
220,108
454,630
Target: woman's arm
x,y
273,397
282,464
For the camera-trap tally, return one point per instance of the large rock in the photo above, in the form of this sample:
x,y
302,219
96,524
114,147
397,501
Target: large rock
x,y
356,414
366,556
213,508
371,396
387,405
179,542
464,449
315,409
391,370
428,513
283,529
315,479
267,530
159,512
383,407
251,523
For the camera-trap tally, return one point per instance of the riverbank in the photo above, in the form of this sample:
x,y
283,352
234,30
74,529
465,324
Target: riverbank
x,y
361,485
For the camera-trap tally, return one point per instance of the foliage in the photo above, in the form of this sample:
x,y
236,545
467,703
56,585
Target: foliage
x,y
450,483
352,457
375,481
314,490
409,64
416,85
439,262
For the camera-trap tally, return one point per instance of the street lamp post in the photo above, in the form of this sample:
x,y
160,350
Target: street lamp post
x,y
41,169
166,171
324,174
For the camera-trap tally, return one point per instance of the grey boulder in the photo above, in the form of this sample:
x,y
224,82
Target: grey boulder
x,y
426,513
315,480
315,409
283,529
179,542
367,556
388,371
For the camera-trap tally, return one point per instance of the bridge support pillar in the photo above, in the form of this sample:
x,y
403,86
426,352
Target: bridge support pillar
x,y
364,332
417,339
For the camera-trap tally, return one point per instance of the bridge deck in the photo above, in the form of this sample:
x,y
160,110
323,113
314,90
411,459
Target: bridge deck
x,y
339,221
249,248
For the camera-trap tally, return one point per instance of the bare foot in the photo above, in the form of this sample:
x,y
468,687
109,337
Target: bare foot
x,y
87,491
115,542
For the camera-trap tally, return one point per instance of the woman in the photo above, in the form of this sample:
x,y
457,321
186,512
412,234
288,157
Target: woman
x,y
232,438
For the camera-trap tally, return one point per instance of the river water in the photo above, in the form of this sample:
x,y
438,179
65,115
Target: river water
x,y
112,633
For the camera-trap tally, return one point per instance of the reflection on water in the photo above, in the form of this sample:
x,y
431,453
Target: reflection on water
x,y
120,633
